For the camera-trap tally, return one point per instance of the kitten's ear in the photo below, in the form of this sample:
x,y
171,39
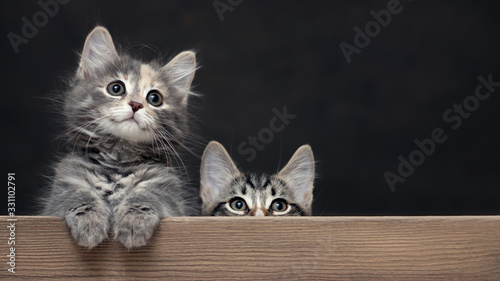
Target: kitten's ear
x,y
181,69
298,174
217,171
97,52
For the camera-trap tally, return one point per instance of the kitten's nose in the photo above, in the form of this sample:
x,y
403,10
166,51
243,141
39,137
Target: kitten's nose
x,y
135,105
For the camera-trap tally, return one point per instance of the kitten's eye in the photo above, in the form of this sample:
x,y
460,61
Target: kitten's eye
x,y
279,205
154,98
238,204
116,88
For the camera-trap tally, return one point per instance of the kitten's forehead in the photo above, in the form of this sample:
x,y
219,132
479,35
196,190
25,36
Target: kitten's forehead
x,y
148,78
263,183
141,78
259,189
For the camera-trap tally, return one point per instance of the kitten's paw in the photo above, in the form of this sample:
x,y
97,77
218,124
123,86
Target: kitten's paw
x,y
89,225
135,225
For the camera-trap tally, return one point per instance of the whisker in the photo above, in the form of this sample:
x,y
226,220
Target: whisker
x,y
171,136
177,156
82,129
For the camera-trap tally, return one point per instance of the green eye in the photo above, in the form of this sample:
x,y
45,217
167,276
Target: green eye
x,y
154,98
279,205
116,88
238,204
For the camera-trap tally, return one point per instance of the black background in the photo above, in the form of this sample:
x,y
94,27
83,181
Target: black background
x,y
358,117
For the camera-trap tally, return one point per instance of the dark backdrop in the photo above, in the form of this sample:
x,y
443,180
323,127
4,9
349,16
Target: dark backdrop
x,y
358,116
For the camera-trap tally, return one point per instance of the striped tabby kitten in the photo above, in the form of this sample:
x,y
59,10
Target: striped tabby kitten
x,y
226,191
125,118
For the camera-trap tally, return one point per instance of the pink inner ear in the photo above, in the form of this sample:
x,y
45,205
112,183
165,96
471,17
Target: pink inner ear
x,y
206,192
308,194
81,72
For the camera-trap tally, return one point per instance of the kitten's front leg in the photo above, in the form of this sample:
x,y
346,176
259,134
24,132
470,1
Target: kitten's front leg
x,y
74,197
136,220
89,222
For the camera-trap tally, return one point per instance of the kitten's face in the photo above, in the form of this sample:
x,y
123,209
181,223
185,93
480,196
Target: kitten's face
x,y
226,191
117,96
258,195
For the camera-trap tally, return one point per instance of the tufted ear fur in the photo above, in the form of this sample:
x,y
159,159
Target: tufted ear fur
x,y
217,171
299,174
181,69
98,51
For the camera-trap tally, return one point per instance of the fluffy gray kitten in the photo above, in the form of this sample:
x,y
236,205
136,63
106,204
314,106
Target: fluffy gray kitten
x,y
225,191
124,120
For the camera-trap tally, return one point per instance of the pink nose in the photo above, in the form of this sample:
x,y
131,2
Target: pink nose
x,y
135,105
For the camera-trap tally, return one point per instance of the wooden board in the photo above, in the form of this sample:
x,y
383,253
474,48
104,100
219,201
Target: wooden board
x,y
305,248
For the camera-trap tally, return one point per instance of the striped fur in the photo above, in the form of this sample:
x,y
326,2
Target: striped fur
x,y
224,189
119,174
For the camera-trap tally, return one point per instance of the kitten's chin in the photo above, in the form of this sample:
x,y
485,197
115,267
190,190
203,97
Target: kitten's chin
x,y
130,130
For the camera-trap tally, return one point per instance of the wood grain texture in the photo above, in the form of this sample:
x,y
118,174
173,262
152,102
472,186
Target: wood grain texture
x,y
306,248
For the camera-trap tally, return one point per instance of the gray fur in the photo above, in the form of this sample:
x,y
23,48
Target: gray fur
x,y
118,175
222,185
